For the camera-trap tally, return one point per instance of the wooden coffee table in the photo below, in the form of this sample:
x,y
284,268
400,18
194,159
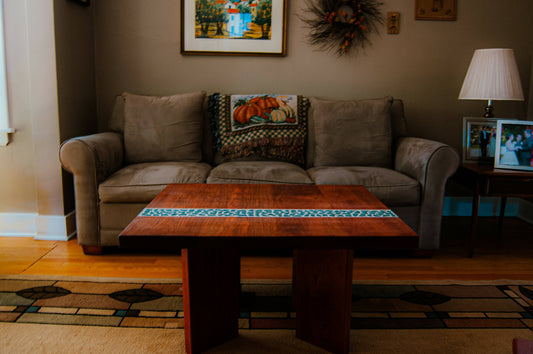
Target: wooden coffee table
x,y
209,223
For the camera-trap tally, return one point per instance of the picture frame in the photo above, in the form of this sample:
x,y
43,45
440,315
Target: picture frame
x,y
436,10
258,28
514,145
477,147
82,2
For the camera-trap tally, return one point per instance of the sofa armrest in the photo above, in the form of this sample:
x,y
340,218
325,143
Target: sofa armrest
x,y
431,163
91,159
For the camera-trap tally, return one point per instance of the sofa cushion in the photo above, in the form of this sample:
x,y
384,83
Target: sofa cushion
x,y
391,187
258,172
272,127
142,182
116,216
163,128
352,133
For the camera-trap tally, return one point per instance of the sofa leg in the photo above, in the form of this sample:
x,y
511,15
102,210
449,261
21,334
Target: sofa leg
x,y
92,250
420,253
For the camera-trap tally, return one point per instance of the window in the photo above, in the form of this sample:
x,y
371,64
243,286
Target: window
x,y
4,111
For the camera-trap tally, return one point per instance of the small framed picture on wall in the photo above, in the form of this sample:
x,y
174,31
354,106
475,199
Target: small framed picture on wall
x,y
514,145
436,10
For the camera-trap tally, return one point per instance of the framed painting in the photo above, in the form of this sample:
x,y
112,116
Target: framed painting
x,y
479,140
224,27
436,10
514,145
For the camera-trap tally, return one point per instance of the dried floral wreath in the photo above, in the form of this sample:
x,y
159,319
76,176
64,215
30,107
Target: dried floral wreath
x,y
339,25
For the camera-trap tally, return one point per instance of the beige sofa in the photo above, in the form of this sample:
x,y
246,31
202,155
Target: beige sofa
x,y
154,141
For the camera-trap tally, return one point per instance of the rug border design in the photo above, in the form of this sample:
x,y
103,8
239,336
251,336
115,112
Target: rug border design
x,y
267,305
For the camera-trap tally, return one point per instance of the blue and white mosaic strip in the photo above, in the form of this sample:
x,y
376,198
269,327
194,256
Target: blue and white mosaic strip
x,y
270,213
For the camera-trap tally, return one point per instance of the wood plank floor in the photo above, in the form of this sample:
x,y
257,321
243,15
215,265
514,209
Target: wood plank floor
x,y
506,256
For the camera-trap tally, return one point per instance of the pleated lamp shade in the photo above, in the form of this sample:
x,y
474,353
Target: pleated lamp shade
x,y
492,75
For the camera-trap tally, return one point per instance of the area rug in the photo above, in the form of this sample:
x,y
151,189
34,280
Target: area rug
x,y
146,316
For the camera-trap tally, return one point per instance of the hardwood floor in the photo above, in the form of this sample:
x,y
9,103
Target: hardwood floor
x,y
506,256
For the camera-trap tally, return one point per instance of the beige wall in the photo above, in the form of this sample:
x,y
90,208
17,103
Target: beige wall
x,y
137,50
32,198
74,37
18,191
32,183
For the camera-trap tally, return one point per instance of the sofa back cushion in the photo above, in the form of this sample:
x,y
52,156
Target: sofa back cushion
x,y
163,128
398,121
351,133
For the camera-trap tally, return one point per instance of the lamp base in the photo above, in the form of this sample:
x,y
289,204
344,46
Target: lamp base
x,y
488,112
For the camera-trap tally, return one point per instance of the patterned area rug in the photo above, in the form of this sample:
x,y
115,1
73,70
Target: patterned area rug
x,y
128,303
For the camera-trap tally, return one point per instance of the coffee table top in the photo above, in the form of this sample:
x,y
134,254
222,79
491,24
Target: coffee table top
x,y
266,215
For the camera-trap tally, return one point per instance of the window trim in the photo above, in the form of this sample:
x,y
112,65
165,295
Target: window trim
x,y
5,127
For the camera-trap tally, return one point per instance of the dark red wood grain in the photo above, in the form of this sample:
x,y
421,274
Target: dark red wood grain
x,y
322,296
323,253
172,232
211,280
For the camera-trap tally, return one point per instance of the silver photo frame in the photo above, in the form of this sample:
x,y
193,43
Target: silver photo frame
x,y
479,140
514,145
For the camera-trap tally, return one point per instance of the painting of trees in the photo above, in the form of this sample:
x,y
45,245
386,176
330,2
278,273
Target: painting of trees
x,y
233,18
220,17
264,17
204,15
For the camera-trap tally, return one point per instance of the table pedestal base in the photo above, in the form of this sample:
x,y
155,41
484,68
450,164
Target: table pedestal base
x,y
211,281
322,295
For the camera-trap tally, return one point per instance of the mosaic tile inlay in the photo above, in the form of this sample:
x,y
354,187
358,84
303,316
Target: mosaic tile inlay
x,y
269,213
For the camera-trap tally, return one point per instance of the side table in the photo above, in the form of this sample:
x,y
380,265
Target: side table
x,y
485,180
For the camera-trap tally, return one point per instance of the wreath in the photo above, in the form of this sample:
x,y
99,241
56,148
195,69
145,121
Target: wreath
x,y
339,25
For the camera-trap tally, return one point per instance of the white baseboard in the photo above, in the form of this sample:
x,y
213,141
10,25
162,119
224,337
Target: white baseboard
x,y
62,227
40,227
18,224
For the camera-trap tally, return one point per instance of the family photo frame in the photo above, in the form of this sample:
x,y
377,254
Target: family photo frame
x,y
514,145
479,140
217,27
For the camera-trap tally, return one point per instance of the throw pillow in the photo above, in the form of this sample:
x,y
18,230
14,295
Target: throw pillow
x,y
352,133
163,128
265,126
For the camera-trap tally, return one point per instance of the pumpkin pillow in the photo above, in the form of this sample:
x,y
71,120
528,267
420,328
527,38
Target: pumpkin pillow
x,y
262,126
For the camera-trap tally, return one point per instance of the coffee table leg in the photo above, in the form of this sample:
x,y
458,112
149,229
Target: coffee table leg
x,y
322,295
211,279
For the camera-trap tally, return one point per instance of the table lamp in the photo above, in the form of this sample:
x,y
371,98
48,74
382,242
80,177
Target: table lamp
x,y
492,75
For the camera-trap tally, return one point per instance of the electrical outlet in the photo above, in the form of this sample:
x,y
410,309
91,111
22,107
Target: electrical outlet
x,y
393,22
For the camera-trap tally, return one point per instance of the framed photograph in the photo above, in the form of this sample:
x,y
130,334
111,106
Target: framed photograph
x,y
514,145
479,140
436,10
225,27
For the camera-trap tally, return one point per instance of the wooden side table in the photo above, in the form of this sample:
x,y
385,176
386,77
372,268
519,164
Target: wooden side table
x,y
485,180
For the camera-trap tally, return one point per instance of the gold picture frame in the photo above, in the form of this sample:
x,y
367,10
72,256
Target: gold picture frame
x,y
212,27
436,10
